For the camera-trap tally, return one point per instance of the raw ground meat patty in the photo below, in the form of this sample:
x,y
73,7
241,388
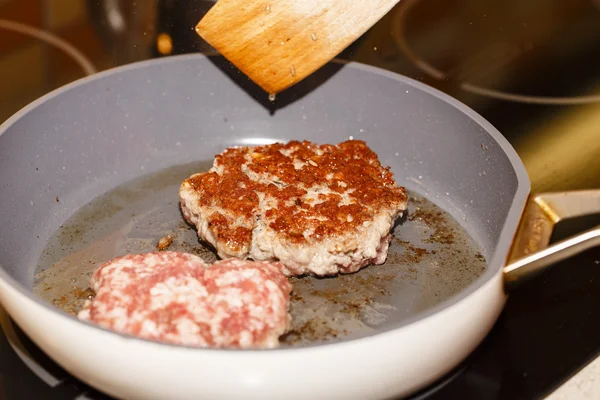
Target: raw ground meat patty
x,y
178,298
320,209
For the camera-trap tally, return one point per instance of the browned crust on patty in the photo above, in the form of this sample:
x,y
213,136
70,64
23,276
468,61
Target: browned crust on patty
x,y
358,188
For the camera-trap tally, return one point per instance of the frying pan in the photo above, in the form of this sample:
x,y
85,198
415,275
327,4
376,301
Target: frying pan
x,y
153,122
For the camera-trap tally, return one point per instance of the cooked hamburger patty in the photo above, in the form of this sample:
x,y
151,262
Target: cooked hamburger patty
x,y
319,209
178,298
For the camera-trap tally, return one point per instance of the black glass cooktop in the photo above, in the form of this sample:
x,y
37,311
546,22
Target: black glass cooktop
x,y
530,68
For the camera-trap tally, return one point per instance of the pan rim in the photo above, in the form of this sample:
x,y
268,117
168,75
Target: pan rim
x,y
497,260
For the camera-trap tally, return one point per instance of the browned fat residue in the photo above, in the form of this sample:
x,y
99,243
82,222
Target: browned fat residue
x,y
356,292
296,297
206,253
314,330
184,225
412,254
342,297
73,302
353,308
437,221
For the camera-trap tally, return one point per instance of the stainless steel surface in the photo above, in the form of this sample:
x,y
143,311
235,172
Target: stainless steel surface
x,y
526,267
529,255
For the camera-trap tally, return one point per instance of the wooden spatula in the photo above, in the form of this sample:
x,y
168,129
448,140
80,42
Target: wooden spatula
x,y
277,43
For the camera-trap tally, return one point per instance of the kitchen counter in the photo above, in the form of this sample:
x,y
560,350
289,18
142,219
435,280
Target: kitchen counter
x,y
585,385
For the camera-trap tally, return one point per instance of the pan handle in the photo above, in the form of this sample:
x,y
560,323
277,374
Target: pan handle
x,y
530,253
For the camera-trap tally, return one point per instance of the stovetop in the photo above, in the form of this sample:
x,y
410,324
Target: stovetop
x,y
530,68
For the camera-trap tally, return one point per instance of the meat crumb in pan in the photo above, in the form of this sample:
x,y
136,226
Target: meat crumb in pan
x,y
177,298
320,209
164,242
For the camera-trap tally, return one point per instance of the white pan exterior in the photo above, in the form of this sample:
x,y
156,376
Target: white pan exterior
x,y
391,364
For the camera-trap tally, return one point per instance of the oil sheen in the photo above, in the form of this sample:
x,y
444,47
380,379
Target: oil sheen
x,y
431,259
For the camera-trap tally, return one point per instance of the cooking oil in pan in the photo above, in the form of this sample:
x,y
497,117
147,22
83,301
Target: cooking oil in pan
x,y
431,258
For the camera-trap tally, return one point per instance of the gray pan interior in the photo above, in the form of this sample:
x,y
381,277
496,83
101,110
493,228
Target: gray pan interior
x,y
162,120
